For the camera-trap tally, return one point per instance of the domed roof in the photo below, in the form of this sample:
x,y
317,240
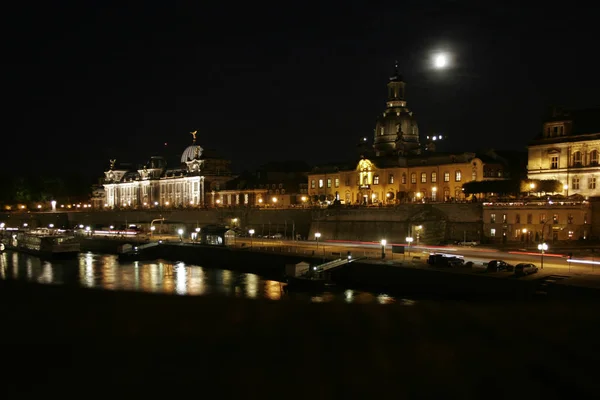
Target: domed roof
x,y
191,152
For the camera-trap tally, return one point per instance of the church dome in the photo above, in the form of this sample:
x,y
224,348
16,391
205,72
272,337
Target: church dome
x,y
191,152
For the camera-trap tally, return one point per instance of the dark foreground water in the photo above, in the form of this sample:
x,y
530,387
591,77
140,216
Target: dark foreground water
x,y
106,272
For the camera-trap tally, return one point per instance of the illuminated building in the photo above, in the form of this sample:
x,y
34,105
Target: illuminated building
x,y
399,168
568,150
188,185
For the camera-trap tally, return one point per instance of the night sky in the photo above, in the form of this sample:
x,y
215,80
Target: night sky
x,y
84,83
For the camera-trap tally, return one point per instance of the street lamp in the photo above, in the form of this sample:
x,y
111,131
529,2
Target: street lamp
x,y
409,240
251,232
383,243
317,236
542,247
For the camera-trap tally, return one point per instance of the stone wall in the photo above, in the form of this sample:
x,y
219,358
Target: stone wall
x,y
433,223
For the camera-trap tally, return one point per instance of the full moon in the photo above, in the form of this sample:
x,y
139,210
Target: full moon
x,y
440,61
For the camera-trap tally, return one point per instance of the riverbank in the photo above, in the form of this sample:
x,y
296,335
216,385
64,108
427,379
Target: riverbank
x,y
407,277
62,340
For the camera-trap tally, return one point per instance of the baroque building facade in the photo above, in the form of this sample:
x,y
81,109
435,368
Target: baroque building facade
x,y
399,168
155,184
568,150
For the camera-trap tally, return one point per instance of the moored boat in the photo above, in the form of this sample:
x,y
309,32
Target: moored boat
x,y
45,243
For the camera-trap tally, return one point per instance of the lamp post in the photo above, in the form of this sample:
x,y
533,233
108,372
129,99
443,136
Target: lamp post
x,y
409,241
383,243
542,247
317,236
251,232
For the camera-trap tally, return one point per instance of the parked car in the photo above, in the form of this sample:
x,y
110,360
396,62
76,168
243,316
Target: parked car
x,y
525,269
499,265
441,260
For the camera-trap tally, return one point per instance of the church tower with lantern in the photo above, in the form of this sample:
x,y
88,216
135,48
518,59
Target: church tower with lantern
x,y
396,130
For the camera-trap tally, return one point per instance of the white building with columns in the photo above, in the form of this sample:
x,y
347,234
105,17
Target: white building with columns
x,y
568,150
156,185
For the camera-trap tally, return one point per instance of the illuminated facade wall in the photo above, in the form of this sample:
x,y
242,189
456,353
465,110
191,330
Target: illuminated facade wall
x,y
525,221
182,191
568,150
392,184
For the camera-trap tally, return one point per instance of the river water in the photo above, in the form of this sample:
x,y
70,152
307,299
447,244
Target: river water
x,y
104,271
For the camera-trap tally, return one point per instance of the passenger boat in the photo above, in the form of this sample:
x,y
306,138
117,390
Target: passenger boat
x,y
45,243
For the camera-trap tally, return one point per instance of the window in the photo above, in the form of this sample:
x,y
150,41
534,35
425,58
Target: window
x,y
376,180
337,182
530,218
517,218
575,184
320,183
594,157
446,176
391,178
404,179
577,159
413,178
457,176
592,182
492,232
492,218
554,162
328,182
433,177
423,177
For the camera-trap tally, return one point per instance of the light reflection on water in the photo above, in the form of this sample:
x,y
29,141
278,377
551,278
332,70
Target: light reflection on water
x,y
104,271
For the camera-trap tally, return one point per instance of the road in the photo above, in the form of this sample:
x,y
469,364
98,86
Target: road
x,y
476,254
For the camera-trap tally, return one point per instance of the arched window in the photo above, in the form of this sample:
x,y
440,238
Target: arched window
x,y
577,159
594,157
